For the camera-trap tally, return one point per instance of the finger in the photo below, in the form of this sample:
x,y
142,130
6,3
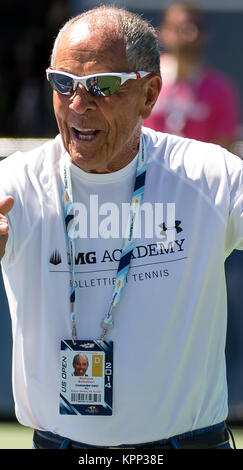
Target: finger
x,y
6,205
3,225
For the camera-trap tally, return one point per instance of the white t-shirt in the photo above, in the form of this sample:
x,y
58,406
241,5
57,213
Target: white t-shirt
x,y
170,324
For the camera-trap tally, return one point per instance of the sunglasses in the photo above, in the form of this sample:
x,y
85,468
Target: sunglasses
x,y
101,84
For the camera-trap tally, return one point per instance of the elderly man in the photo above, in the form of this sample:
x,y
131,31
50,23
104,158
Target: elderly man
x,y
80,364
115,247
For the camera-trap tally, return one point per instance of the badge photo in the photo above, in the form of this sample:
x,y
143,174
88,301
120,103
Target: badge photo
x,y
86,377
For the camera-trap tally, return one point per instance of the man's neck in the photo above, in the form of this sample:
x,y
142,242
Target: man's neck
x,y
187,66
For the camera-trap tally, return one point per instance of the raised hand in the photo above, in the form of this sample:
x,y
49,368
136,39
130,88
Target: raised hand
x,y
6,205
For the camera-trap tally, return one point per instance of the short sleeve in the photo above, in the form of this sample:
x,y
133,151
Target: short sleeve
x,y
234,233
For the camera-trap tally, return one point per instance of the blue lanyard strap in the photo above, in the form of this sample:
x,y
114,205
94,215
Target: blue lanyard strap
x,y
128,242
67,202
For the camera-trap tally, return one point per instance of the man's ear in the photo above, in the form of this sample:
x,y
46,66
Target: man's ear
x,y
152,87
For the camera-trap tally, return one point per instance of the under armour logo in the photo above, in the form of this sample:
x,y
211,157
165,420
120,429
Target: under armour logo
x,y
55,258
176,226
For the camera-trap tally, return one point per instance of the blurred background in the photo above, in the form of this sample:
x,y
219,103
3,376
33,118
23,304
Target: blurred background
x,y
27,32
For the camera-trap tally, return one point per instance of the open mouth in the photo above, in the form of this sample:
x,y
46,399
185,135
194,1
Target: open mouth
x,y
85,134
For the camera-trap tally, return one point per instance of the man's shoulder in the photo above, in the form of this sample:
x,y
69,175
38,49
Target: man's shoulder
x,y
172,147
189,158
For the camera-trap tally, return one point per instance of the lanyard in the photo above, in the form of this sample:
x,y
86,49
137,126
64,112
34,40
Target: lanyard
x,y
128,242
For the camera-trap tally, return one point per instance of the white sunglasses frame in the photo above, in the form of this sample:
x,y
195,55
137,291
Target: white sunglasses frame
x,y
76,80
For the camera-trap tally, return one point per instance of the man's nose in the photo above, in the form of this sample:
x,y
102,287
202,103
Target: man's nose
x,y
82,100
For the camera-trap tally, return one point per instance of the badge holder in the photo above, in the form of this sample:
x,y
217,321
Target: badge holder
x,y
86,377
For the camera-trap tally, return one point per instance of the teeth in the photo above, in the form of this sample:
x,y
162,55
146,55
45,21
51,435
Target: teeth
x,y
85,137
85,134
85,130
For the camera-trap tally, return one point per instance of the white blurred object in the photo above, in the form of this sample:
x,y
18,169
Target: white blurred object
x,y
11,145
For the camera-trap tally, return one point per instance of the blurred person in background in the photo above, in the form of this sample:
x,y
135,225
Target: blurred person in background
x,y
196,101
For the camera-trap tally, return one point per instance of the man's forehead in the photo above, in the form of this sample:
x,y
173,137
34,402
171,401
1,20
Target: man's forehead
x,y
79,31
84,40
81,356
90,31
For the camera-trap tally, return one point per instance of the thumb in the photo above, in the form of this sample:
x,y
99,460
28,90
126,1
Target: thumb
x,y
6,205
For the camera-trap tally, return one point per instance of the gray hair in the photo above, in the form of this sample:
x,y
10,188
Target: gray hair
x,y
142,50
